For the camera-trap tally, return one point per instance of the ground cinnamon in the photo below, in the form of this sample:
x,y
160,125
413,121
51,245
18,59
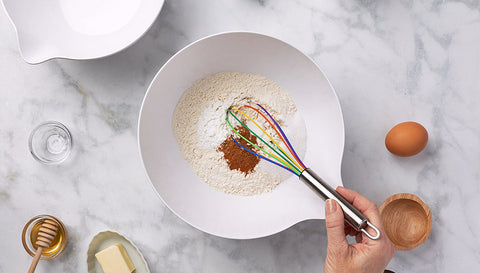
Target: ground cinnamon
x,y
236,157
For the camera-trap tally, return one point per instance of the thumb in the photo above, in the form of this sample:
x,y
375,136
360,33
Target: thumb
x,y
335,225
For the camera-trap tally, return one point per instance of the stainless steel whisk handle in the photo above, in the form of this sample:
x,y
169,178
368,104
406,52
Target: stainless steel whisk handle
x,y
353,217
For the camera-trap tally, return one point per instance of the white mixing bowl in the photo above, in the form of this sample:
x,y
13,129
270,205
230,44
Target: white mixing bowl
x,y
197,203
78,29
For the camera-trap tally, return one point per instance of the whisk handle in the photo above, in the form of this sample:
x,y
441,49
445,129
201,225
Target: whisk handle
x,y
352,216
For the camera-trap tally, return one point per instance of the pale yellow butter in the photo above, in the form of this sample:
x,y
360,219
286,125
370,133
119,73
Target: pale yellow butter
x,y
114,259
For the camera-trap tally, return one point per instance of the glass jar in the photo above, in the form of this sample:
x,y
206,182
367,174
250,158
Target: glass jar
x,y
29,237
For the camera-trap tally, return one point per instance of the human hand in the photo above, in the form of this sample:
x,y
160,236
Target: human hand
x,y
366,256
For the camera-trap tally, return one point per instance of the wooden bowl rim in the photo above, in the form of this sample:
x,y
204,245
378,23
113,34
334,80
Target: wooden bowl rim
x,y
426,209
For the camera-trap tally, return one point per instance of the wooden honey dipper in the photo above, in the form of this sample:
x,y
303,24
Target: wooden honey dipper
x,y
46,233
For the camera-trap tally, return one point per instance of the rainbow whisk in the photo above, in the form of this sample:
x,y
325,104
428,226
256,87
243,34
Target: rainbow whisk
x,y
277,149
289,161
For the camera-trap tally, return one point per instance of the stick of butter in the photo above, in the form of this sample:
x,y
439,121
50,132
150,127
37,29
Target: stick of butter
x,y
114,259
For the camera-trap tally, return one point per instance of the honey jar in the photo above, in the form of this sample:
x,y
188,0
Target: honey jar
x,y
30,232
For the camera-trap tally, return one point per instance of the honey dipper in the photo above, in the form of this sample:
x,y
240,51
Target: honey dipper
x,y
46,233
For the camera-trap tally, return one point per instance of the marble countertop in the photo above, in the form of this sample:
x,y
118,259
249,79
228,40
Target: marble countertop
x,y
389,61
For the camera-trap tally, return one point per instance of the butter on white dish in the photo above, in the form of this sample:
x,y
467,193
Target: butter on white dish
x,y
115,259
105,239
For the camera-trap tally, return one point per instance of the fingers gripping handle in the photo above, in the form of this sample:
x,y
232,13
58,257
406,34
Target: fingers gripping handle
x,y
353,217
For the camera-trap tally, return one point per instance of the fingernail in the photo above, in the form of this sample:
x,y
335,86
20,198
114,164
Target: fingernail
x,y
330,206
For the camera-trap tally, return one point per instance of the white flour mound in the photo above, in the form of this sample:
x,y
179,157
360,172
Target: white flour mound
x,y
199,126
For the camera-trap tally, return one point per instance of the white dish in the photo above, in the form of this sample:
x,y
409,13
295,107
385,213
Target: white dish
x,y
197,203
107,238
78,29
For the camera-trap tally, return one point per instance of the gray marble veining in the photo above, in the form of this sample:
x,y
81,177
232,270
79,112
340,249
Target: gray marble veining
x,y
389,61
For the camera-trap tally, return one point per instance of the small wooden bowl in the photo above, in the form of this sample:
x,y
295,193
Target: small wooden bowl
x,y
406,219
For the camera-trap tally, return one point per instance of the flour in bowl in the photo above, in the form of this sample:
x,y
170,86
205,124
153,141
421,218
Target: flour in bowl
x,y
202,133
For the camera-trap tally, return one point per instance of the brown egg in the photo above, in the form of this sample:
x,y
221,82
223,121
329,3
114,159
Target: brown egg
x,y
406,139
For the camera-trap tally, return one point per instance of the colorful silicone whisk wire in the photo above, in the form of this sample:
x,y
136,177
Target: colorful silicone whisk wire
x,y
289,161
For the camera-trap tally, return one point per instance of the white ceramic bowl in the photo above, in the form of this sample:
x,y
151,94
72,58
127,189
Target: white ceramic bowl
x,y
79,29
197,203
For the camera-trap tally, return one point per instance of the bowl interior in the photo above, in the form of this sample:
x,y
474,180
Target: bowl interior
x,y
407,222
79,29
197,203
